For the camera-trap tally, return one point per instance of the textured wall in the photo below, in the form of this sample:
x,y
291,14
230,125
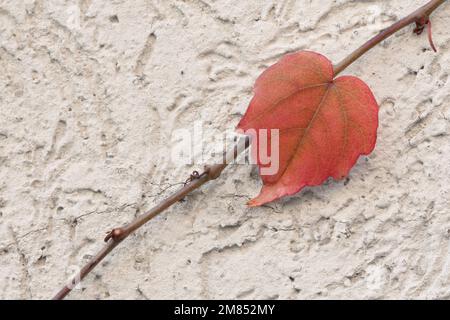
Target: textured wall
x,y
92,91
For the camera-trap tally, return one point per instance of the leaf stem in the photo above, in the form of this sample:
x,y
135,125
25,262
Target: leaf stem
x,y
116,236
420,16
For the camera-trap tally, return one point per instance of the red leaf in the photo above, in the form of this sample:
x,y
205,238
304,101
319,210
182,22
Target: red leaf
x,y
324,124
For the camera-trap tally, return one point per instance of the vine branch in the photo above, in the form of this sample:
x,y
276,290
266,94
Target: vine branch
x,y
422,19
116,236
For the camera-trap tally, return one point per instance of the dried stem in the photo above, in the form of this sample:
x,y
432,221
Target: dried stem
x,y
420,17
116,236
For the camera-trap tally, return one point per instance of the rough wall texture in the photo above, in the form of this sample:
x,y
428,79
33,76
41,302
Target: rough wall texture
x,y
92,91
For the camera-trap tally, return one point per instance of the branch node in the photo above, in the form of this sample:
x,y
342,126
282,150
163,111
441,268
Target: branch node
x,y
116,234
214,171
421,23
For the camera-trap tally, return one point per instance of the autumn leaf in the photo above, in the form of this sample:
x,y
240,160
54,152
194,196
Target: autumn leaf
x,y
324,124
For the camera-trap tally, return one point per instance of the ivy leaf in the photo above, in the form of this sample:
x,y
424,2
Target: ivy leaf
x,y
324,124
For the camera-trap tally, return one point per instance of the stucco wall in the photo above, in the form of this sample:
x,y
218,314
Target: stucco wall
x,y
92,92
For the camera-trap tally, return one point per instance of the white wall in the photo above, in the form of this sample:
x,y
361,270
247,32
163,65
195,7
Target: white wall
x,y
91,92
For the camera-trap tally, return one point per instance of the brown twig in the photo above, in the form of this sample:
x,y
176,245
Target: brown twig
x,y
196,180
116,236
420,17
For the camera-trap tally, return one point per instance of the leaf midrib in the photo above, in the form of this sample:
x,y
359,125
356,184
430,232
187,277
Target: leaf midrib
x,y
301,141
275,104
